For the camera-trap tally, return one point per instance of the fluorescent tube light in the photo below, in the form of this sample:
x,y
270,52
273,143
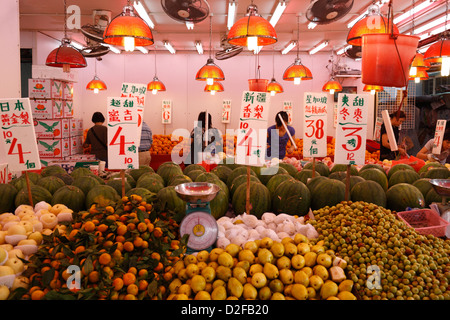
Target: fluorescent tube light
x,y
199,47
289,47
277,13
143,13
142,49
231,13
189,25
342,51
169,47
318,47
312,25
112,48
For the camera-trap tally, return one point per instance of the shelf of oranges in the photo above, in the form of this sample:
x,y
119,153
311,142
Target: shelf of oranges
x,y
163,144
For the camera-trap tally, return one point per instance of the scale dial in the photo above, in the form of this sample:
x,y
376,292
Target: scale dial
x,y
202,229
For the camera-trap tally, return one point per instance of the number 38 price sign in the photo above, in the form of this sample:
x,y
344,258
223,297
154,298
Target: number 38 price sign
x,y
351,130
123,134
18,136
315,125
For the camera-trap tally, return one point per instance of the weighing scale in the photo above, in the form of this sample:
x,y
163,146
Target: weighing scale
x,y
198,222
442,188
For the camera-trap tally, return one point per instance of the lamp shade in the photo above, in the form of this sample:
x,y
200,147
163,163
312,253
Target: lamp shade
x,y
421,74
252,25
96,85
213,88
66,57
332,86
297,71
274,87
419,61
372,88
128,27
210,72
369,24
437,51
156,85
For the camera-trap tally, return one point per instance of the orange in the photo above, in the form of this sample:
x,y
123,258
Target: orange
x,y
89,226
129,278
128,246
118,284
131,226
94,276
130,297
109,209
159,267
157,232
143,273
120,239
150,227
37,294
79,249
142,226
132,289
155,255
138,241
102,227
143,284
121,230
104,258
117,253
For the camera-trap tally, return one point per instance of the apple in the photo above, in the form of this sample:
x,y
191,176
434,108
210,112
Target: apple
x,y
5,215
20,282
16,253
23,207
23,212
16,264
27,225
49,220
4,292
57,208
6,271
3,255
37,225
17,229
27,242
37,237
42,205
29,217
2,237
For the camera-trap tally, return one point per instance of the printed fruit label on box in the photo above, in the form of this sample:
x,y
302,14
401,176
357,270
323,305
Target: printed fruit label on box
x,y
67,90
57,89
46,109
67,109
76,127
76,143
50,129
45,88
53,148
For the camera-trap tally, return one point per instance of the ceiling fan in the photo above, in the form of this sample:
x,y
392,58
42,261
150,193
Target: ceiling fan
x,y
93,34
186,10
327,11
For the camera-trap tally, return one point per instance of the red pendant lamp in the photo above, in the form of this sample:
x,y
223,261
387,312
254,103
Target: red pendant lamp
x,y
274,87
439,54
210,72
374,22
372,88
213,88
332,86
252,30
420,75
128,30
66,56
155,85
96,84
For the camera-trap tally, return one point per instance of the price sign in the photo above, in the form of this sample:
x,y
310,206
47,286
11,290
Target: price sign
x,y
123,135
18,137
226,111
351,129
315,125
438,136
377,130
166,112
287,106
252,131
389,131
138,91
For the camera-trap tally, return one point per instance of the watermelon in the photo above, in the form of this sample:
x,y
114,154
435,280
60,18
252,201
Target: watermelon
x,y
397,167
192,167
179,180
52,170
219,205
71,196
265,173
291,197
33,176
117,185
38,194
260,201
432,196
67,178
424,185
207,177
403,176
100,180
222,171
313,182
338,175
102,195
151,183
404,195
8,192
375,175
80,172
242,179
169,201
136,173
429,166
146,195
372,166
437,173
369,191
85,183
51,183
305,174
237,172
343,167
128,178
168,170
327,193
353,180
193,174
20,182
289,167
151,175
276,180
320,167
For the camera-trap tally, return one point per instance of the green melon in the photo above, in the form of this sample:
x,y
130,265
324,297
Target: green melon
x,y
51,183
71,196
398,167
338,175
117,185
52,170
276,180
169,201
168,170
237,172
38,194
265,173
377,176
424,185
100,180
320,167
305,174
372,166
343,167
429,166
80,172
151,175
20,182
85,183
146,194
437,173
128,178
151,183
289,167
242,179
192,167
260,201
193,174
67,178
403,176
369,191
327,193
313,182
219,205
291,197
136,173
207,177
8,195
404,195
432,196
179,180
222,171
353,180
102,195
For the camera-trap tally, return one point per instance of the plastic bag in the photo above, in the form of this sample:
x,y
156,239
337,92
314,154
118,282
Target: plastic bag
x,y
414,162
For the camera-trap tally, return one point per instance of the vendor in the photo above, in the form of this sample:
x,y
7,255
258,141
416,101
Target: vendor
x,y
283,137
397,119
426,152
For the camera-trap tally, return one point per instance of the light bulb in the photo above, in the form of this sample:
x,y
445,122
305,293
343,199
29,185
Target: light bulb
x,y
96,90
128,43
272,93
297,80
252,43
417,79
154,91
331,91
413,71
213,92
372,92
209,81
445,66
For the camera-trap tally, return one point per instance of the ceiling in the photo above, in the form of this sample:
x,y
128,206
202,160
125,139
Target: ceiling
x,y
47,17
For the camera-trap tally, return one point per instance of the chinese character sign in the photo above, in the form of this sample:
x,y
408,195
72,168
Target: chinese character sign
x,y
138,91
438,136
252,131
226,111
18,136
287,106
315,125
166,112
123,135
377,130
351,129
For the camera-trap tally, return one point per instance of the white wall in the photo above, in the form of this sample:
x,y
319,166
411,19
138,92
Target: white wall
x,y
178,72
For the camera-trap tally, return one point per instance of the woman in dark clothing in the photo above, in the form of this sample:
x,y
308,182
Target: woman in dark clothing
x,y
397,119
97,138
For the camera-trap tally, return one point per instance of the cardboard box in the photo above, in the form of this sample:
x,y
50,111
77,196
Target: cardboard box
x,y
46,108
67,90
81,157
45,88
67,109
76,145
54,148
76,127
51,128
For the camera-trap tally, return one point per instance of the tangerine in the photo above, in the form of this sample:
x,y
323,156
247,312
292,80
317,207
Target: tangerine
x,y
37,295
128,246
129,278
89,226
118,284
104,259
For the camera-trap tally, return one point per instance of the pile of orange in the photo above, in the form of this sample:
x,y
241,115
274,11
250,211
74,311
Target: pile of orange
x,y
229,143
125,252
163,144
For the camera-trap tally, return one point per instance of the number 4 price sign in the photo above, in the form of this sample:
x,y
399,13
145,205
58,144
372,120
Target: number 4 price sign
x,y
123,135
315,126
351,132
18,137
